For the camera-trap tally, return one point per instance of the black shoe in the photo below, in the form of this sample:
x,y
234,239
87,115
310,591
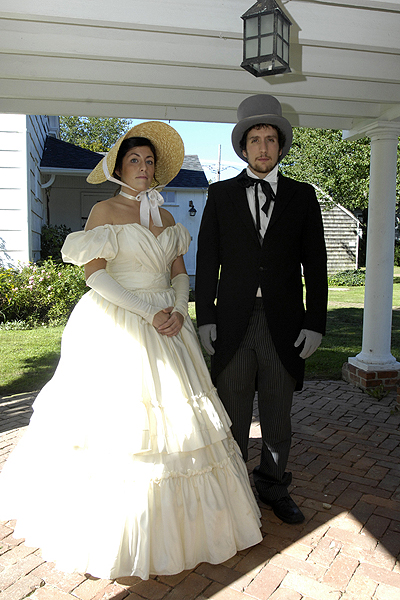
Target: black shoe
x,y
286,510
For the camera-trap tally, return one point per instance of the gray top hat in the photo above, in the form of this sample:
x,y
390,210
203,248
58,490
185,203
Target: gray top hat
x,y
261,108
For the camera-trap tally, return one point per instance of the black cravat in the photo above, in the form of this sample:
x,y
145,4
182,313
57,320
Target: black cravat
x,y
247,181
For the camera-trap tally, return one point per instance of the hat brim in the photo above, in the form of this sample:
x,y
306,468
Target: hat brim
x,y
245,124
169,147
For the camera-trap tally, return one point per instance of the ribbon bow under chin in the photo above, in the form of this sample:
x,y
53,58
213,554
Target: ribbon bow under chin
x,y
150,200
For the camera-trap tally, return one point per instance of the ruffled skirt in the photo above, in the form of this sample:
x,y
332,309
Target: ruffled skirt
x,y
128,466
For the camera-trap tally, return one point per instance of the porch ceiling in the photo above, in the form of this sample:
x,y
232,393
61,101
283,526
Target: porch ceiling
x,y
180,60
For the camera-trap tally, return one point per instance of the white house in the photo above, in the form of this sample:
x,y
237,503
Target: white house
x,y
22,199
342,236
343,231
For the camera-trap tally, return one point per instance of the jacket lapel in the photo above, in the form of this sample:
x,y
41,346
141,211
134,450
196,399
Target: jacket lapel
x,y
240,204
283,197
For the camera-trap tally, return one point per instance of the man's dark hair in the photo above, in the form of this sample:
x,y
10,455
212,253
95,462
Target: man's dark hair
x,y
281,135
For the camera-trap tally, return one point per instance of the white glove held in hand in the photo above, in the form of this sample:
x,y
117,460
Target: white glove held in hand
x,y
180,283
208,334
102,283
312,341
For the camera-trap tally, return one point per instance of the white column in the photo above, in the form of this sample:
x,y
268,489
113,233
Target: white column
x,y
376,344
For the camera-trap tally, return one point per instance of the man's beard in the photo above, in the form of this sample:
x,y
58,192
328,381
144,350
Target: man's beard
x,y
262,168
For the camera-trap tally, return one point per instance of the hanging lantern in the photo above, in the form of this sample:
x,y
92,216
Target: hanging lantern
x,y
265,39
192,210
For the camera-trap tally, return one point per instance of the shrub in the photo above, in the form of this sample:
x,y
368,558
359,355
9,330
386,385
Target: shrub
x,y
347,278
53,237
44,293
397,254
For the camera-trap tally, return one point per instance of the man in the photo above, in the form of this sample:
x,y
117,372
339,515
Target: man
x,y
259,233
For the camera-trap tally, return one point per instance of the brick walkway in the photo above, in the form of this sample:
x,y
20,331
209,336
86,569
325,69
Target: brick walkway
x,y
346,472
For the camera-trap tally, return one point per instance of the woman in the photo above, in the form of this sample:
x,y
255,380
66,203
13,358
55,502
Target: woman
x,y
128,466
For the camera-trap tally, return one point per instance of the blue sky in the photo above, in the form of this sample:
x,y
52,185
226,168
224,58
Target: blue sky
x,y
204,139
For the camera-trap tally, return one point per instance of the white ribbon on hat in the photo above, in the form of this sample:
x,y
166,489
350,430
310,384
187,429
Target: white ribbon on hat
x,y
150,200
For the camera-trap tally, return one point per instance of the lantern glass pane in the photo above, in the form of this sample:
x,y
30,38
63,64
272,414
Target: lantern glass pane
x,y
279,47
267,24
251,27
285,54
267,45
286,31
251,48
280,25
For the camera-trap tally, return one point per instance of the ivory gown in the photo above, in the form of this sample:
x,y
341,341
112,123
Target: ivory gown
x,y
128,466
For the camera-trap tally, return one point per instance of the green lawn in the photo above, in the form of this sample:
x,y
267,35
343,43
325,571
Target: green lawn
x,y
344,330
28,358
354,296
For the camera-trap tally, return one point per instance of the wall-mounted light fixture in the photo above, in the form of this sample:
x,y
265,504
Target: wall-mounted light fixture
x,y
192,210
265,39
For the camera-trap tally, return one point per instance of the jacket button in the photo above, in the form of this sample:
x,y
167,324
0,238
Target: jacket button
x,y
261,268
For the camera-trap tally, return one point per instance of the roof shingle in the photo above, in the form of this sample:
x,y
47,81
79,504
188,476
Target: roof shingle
x,y
63,155
58,154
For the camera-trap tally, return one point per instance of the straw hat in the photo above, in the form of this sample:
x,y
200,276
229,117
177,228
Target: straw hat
x,y
169,149
261,108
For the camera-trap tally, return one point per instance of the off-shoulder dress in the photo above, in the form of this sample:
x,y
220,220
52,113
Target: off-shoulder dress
x,y
128,466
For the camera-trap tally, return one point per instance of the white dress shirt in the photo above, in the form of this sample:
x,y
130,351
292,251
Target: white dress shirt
x,y
272,178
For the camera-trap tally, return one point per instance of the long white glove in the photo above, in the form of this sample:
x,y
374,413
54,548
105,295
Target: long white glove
x,y
180,283
208,334
311,343
111,290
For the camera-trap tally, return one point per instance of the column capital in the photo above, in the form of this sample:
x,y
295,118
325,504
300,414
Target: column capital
x,y
378,130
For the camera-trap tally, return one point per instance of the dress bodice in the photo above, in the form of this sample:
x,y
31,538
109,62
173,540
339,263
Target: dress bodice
x,y
135,257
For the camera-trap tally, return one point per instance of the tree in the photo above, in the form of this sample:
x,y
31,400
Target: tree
x,y
339,167
94,133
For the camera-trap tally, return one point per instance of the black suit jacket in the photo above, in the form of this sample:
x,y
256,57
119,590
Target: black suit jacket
x,y
232,264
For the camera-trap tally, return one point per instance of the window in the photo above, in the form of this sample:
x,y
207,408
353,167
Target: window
x,y
169,197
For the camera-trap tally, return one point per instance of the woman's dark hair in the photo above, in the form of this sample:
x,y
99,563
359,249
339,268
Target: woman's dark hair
x,y
281,135
132,142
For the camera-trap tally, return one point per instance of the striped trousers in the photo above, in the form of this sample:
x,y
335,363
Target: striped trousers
x,y
257,366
